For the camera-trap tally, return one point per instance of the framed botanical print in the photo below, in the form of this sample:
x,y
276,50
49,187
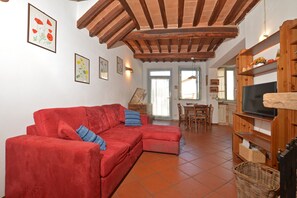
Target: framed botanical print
x,y
103,68
119,65
82,69
42,29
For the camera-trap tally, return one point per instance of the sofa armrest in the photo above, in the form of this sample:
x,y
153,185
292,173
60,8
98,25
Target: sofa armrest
x,y
31,130
145,119
38,166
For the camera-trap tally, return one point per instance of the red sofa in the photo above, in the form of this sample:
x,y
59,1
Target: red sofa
x,y
40,164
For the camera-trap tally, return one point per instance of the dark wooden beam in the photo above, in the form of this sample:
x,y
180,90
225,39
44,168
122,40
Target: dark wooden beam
x,y
108,18
129,11
181,4
163,12
130,46
198,12
138,46
147,44
218,44
158,45
185,33
239,4
88,17
113,30
212,44
169,46
196,55
216,11
146,13
179,41
200,45
124,31
247,9
190,45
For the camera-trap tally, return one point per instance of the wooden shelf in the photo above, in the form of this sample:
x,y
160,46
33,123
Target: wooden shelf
x,y
269,67
263,45
240,157
294,42
256,140
267,119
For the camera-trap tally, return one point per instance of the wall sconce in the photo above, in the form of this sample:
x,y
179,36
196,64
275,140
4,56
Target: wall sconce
x,y
4,0
129,69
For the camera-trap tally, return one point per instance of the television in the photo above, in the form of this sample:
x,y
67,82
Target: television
x,y
252,99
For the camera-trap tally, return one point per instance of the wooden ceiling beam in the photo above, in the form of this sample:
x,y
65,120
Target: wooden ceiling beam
x,y
138,46
237,7
146,13
218,44
185,33
179,41
196,55
212,44
158,45
200,45
190,45
247,9
130,13
216,11
148,45
126,30
130,46
198,12
88,17
117,27
169,46
109,17
181,4
163,13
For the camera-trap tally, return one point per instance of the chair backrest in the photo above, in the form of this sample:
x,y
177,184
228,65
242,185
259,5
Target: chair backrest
x,y
201,110
210,111
180,110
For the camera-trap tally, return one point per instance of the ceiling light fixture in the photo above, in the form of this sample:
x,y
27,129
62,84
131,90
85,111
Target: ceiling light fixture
x,y
193,77
265,34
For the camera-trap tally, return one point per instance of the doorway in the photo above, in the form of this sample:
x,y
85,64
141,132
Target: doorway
x,y
160,93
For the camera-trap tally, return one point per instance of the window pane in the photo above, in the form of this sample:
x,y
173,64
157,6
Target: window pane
x,y
230,84
189,84
159,73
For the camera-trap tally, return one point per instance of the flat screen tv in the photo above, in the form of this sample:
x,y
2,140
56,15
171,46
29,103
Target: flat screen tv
x,y
252,99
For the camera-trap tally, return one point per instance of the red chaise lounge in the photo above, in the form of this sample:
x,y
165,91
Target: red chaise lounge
x,y
40,164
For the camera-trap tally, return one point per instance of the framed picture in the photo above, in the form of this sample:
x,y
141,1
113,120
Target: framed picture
x,y
214,82
103,68
213,89
119,65
42,29
82,69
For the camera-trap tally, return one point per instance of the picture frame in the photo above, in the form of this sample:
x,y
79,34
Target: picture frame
x,y
214,81
81,69
120,66
42,29
103,68
213,89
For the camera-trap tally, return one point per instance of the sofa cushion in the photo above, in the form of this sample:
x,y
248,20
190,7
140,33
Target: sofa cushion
x,y
158,132
97,119
132,118
47,120
112,113
115,153
122,113
67,132
123,135
89,136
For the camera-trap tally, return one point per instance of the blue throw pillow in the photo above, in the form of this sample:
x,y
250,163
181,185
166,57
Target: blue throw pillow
x,y
89,136
132,118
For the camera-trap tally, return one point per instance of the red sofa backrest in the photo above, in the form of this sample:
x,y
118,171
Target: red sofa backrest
x,y
47,120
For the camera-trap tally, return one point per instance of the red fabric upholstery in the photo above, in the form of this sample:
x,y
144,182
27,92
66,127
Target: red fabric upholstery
x,y
112,113
97,119
48,167
47,120
122,113
38,165
67,132
158,132
112,156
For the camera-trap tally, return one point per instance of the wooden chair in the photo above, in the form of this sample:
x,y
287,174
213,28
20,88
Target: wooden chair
x,y
210,112
201,116
181,116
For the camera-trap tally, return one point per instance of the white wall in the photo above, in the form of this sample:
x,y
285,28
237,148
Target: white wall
x,y
33,78
174,68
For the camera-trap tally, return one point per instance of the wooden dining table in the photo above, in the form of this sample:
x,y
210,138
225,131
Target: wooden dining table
x,y
188,110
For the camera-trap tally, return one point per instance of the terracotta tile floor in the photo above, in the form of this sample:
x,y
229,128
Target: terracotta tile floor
x,y
203,168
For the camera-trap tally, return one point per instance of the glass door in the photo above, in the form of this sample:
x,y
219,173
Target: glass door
x,y
159,93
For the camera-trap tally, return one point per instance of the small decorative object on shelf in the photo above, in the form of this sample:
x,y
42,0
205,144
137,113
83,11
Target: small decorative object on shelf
x,y
258,62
